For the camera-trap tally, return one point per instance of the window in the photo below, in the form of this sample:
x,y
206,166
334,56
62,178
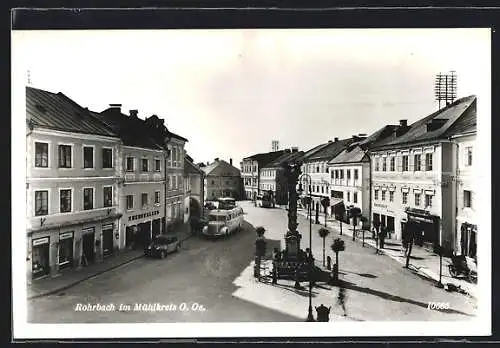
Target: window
x,y
467,199
322,189
157,197
383,195
336,174
405,163
428,200
144,199
65,201
64,156
416,160
428,161
376,194
88,198
107,158
88,157
391,196
468,153
41,203
342,174
41,155
130,164
392,164
348,196
376,165
174,182
417,199
317,189
157,165
384,164
130,202
332,175
144,166
317,169
355,197
405,197
355,174
107,196
348,174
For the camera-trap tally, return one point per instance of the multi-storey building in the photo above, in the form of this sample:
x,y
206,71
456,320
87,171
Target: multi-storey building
x,y
466,226
72,165
195,180
315,164
272,176
222,179
413,177
350,173
250,169
142,169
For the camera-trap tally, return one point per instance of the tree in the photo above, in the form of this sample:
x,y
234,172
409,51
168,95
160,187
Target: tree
x,y
337,246
323,233
325,202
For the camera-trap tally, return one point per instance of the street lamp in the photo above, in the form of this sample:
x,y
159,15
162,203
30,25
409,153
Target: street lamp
x,y
310,257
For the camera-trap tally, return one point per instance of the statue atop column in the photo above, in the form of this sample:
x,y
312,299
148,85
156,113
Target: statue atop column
x,y
292,236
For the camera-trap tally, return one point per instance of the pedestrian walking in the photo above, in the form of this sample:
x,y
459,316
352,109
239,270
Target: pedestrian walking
x,y
382,236
342,299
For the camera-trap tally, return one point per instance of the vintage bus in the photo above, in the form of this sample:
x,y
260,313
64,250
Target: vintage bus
x,y
226,203
223,222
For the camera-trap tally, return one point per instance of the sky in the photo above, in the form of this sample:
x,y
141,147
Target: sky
x,y
231,92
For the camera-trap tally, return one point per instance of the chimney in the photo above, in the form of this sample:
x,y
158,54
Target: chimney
x,y
295,149
216,159
403,123
329,141
336,139
231,161
208,163
362,135
133,113
117,107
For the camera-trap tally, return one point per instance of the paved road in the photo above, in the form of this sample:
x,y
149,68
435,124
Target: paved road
x,y
202,272
377,287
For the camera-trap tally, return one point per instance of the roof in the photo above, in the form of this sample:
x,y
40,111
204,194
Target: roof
x,y
312,151
331,150
465,124
454,117
264,158
190,167
221,168
357,154
57,111
132,130
378,136
286,157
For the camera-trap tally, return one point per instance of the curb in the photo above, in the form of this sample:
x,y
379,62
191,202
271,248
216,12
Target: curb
x,y
93,275
422,271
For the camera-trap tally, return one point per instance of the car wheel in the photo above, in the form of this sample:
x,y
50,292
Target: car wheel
x,y
162,254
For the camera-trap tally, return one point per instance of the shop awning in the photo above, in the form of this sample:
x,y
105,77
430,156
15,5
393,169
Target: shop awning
x,y
74,223
420,215
336,201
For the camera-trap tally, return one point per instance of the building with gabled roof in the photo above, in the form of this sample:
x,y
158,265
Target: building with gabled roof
x,y
195,188
272,176
414,175
350,175
222,179
72,183
250,171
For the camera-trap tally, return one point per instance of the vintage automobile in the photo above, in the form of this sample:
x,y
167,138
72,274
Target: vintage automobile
x,y
162,245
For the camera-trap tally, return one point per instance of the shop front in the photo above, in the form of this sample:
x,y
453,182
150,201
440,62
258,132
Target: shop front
x,y
40,257
468,240
107,240
88,242
425,227
65,250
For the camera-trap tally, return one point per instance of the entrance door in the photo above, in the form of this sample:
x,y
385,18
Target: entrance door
x,y
129,236
40,258
383,221
88,247
390,224
156,226
107,241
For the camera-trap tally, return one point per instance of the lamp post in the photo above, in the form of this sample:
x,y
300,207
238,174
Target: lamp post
x,y
310,260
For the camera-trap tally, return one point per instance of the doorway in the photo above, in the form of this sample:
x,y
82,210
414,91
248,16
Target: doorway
x,y
107,241
88,247
40,258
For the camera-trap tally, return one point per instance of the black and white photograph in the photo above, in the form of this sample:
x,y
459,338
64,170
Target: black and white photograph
x,y
251,182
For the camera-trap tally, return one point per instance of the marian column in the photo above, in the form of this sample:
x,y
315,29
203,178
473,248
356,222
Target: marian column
x,y
292,237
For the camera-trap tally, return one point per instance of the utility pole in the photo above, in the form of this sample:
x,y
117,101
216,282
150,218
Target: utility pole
x,y
445,88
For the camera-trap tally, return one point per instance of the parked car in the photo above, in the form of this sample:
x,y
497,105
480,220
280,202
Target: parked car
x,y
162,245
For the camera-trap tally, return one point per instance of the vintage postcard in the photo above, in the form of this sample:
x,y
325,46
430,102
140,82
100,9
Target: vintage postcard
x,y
209,183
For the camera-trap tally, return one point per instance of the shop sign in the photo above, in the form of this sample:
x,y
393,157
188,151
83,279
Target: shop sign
x,y
40,241
418,218
88,230
66,235
380,205
107,227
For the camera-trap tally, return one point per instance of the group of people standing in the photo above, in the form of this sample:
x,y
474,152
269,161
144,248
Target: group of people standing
x,y
379,233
